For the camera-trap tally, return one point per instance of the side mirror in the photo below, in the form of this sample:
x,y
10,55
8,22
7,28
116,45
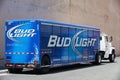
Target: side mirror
x,y
111,38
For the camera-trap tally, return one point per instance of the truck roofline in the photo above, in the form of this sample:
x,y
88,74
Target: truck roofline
x,y
57,23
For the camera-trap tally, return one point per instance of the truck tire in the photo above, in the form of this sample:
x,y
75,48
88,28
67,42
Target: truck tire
x,y
112,56
45,61
98,59
19,70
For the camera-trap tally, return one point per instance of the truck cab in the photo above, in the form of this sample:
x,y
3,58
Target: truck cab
x,y
106,48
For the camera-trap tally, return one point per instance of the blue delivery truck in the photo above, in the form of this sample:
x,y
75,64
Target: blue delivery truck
x,y
44,44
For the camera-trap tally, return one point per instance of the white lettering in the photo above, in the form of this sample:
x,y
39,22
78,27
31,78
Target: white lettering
x,y
23,33
55,41
52,41
67,42
60,42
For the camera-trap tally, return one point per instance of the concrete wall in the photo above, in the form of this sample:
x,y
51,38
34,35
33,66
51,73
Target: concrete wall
x,y
101,13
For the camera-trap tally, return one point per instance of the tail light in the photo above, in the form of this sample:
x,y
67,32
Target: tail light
x,y
9,65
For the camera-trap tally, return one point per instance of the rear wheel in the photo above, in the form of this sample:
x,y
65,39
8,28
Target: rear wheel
x,y
14,70
98,58
45,63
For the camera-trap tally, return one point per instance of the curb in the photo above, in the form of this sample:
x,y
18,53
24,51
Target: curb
x,y
4,71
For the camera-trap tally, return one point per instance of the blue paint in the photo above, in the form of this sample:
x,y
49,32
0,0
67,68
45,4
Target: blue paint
x,y
28,40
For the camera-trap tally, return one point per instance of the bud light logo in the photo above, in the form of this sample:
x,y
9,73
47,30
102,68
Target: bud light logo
x,y
15,32
76,41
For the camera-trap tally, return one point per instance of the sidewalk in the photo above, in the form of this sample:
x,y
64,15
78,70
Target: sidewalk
x,y
3,70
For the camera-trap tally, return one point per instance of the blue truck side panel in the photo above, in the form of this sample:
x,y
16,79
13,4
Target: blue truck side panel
x,y
64,55
29,40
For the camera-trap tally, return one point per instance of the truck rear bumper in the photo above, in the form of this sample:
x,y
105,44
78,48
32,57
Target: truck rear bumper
x,y
10,65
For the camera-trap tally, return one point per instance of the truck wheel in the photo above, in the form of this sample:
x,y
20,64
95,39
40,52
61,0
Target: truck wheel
x,y
15,70
45,62
112,57
98,59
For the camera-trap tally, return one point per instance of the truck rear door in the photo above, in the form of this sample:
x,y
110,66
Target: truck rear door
x,y
22,41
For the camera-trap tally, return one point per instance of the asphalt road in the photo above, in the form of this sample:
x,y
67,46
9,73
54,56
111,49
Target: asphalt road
x,y
105,71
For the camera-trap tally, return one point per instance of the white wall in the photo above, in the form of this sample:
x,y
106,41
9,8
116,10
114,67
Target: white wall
x,y
101,13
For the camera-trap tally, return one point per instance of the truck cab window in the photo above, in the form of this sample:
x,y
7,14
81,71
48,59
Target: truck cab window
x,y
106,38
100,38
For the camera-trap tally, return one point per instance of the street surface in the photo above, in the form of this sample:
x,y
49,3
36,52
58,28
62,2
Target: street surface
x,y
105,71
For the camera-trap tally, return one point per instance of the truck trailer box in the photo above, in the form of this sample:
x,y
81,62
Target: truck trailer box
x,y
41,44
